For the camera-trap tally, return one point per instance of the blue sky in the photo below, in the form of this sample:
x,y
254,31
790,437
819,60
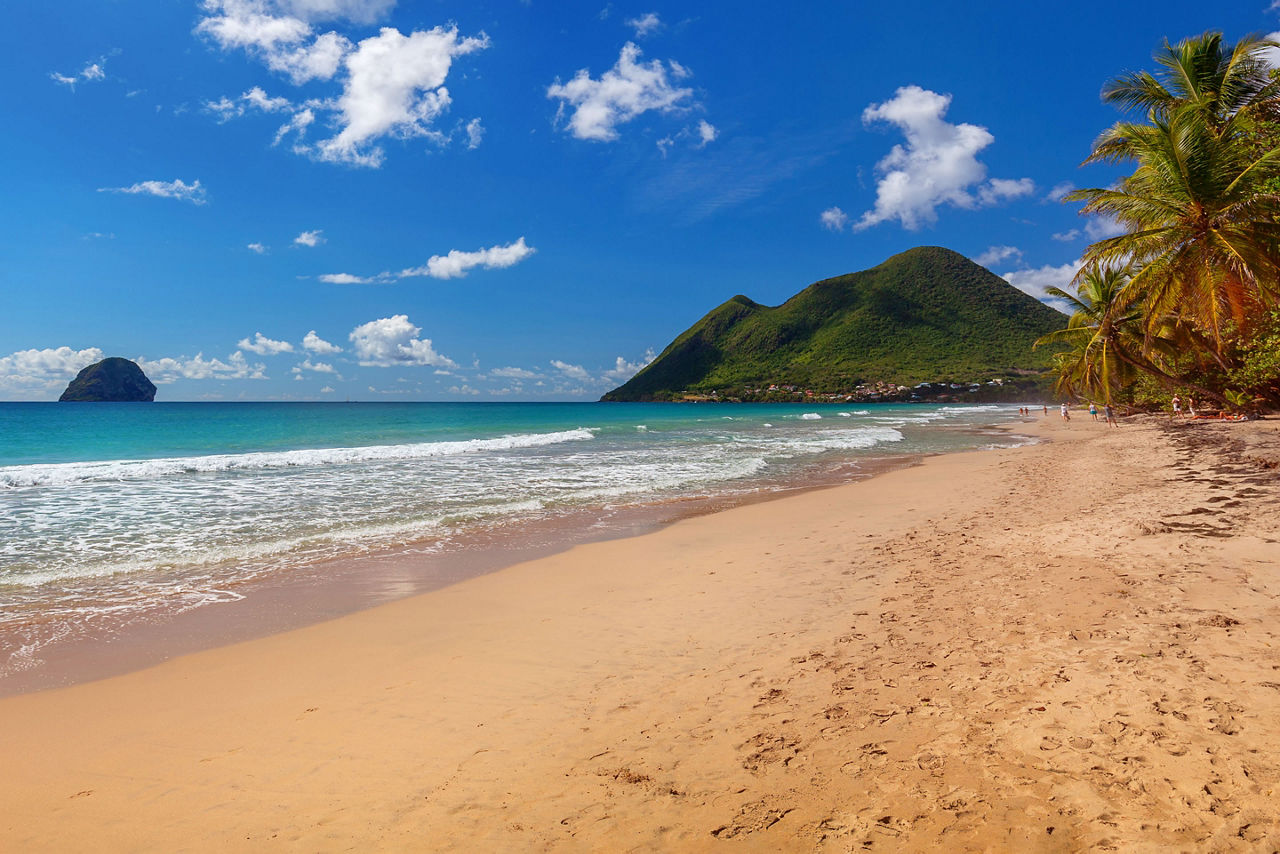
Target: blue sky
x,y
507,200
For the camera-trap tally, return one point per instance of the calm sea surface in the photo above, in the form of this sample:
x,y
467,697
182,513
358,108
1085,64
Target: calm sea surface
x,y
116,513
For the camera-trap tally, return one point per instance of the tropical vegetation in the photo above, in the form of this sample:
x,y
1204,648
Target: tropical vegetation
x,y
927,315
1186,297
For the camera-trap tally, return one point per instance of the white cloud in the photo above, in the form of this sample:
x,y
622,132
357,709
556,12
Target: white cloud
x,y
254,99
1271,56
475,133
345,279
456,264
623,370
394,341
168,370
327,390
394,86
995,254
176,189
309,238
313,343
264,346
513,373
91,71
1102,227
318,367
623,92
1066,236
999,189
257,247
707,133
1034,282
463,389
645,24
573,372
1059,190
938,165
318,60
834,219
32,371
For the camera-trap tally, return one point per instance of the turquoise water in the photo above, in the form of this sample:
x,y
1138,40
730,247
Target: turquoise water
x,y
117,512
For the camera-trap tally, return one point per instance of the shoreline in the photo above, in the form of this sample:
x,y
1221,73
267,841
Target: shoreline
x,y
316,592
965,651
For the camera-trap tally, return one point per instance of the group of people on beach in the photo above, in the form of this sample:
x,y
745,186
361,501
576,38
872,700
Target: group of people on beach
x,y
1109,413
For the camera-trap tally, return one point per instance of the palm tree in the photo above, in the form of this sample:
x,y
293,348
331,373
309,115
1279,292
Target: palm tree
x,y
1201,219
1200,207
1103,325
1109,340
1218,82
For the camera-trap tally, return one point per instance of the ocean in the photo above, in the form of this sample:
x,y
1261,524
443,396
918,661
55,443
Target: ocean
x,y
118,516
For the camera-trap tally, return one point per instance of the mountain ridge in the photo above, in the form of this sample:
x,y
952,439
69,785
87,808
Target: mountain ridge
x,y
924,315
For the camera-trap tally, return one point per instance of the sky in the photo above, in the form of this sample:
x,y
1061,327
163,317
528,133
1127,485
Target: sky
x,y
518,199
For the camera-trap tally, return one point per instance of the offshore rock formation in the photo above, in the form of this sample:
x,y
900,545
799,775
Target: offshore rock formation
x,y
111,380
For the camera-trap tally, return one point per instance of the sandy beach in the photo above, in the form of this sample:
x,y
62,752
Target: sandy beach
x,y
1060,647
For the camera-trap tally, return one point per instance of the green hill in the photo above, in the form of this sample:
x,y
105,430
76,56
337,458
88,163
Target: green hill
x,y
926,315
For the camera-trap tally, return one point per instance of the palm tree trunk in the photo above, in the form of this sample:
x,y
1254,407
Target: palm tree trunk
x,y
1171,382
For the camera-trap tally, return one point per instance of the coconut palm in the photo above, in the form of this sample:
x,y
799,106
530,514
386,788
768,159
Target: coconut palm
x,y
1201,219
1217,81
1110,342
1104,334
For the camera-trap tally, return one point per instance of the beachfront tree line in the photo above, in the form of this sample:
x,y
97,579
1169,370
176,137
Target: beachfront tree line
x,y
1187,299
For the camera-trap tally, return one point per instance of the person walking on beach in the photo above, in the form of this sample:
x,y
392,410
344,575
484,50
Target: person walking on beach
x,y
1177,407
1046,409
1093,410
1066,413
1110,416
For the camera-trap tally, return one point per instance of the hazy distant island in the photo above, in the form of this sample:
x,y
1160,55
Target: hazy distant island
x,y
113,380
925,324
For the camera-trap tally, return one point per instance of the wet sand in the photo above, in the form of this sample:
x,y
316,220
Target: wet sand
x,y
1070,646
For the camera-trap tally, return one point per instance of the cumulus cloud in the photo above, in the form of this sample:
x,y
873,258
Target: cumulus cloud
x,y
176,189
995,254
1035,281
834,219
33,371
264,346
313,343
1102,227
937,166
392,341
257,248
456,264
394,86
346,279
622,93
645,24
707,133
623,370
309,238
573,372
999,189
236,367
317,367
513,373
1066,236
1059,190
327,390
392,83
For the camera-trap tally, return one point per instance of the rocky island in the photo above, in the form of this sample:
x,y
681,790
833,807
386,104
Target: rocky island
x,y
112,380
